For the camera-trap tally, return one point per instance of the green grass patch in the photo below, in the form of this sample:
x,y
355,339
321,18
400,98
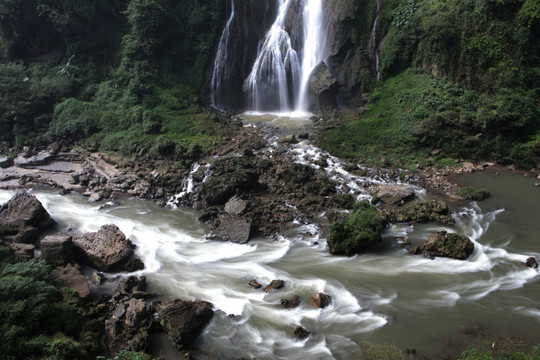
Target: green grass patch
x,y
472,193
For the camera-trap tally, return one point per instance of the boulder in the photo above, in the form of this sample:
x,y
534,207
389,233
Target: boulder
x,y
25,209
5,162
41,158
105,250
126,327
131,284
22,252
320,300
56,249
236,206
274,285
442,244
184,320
254,284
233,228
532,263
71,277
291,303
429,211
323,88
392,194
301,333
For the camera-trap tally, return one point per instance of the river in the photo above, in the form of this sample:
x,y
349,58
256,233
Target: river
x,y
386,295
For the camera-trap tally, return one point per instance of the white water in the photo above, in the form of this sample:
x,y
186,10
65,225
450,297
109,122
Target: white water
x,y
279,80
220,65
374,295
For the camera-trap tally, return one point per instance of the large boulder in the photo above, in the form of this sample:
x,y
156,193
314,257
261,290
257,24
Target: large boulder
x,y
56,249
323,89
127,328
442,244
105,250
23,217
22,252
392,194
429,211
41,158
184,320
71,277
5,162
233,228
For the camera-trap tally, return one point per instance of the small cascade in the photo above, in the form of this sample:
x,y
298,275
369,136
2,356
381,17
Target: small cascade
x,y
187,183
373,48
279,79
220,68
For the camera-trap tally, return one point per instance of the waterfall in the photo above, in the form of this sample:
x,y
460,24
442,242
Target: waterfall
x,y
220,65
373,50
279,80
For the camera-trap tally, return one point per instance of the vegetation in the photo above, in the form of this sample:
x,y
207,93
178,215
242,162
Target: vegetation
x,y
477,354
385,351
472,193
361,230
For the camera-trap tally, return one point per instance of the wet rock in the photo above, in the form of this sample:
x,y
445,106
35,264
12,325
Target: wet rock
x,y
41,158
291,303
126,328
301,333
71,277
442,244
26,208
5,162
254,284
532,263
184,320
320,300
94,197
236,206
429,211
56,249
134,265
288,139
234,229
392,194
131,284
97,278
323,88
105,250
22,252
274,285
219,189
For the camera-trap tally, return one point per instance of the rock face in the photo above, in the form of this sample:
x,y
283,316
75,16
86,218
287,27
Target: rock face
x,y
23,217
442,244
71,277
184,320
105,250
320,300
323,89
56,249
392,194
22,252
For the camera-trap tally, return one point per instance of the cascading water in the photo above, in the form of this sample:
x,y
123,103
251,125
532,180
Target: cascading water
x,y
373,50
279,80
220,65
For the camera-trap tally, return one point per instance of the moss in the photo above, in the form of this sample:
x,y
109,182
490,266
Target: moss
x,y
429,211
472,193
357,233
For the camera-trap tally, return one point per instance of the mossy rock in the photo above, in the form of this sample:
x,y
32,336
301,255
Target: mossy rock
x,y
429,211
472,193
442,244
357,233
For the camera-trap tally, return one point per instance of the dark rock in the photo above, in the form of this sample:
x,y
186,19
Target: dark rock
x,y
126,328
220,188
430,211
453,246
236,206
5,162
274,285
254,284
97,278
134,265
41,158
323,88
288,139
56,249
22,252
301,333
291,303
392,194
320,300
26,208
416,250
532,263
233,228
184,320
105,250
131,284
71,277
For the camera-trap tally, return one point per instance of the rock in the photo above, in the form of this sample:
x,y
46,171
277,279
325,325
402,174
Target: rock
x,y
291,303
5,162
288,139
71,277
26,208
22,252
468,167
134,265
94,197
254,284
236,206
56,249
97,278
392,194
442,244
429,211
274,285
184,320
127,327
532,263
105,250
41,158
323,89
233,228
320,300
131,284
301,332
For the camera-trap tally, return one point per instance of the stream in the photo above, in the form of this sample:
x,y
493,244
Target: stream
x,y
386,295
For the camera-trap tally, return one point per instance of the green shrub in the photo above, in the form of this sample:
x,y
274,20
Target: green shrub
x,y
74,119
358,232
